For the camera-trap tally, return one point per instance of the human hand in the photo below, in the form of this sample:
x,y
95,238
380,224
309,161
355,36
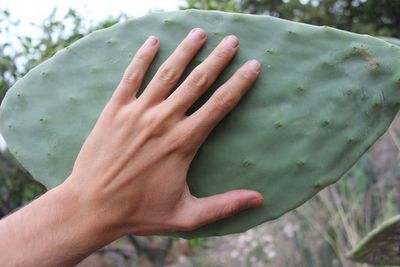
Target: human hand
x,y
130,174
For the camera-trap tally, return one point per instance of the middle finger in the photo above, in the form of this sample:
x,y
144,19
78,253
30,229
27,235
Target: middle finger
x,y
203,75
171,70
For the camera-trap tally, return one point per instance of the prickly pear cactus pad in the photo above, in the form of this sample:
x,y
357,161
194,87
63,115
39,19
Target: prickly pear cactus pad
x,y
323,97
381,245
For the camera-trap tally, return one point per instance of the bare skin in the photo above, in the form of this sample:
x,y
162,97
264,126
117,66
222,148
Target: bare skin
x,y
130,175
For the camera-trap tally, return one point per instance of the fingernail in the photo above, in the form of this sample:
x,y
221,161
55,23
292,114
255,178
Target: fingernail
x,y
254,66
255,202
151,40
232,41
198,34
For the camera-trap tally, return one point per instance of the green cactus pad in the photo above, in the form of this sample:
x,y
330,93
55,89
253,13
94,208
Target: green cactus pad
x,y
381,245
323,97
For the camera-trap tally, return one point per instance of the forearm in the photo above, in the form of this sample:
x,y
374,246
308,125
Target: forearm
x,y
53,230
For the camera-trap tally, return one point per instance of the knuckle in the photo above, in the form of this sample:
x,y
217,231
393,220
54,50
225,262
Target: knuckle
x,y
225,99
141,56
228,210
187,45
185,141
168,74
149,119
132,77
222,54
161,119
188,224
198,79
156,123
245,75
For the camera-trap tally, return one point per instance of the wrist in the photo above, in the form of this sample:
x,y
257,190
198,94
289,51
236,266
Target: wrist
x,y
92,224
57,229
98,207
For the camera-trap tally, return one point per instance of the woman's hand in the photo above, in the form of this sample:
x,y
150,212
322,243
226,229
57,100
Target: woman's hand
x,y
130,175
132,169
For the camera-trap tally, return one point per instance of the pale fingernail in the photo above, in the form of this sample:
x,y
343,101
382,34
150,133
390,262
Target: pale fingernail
x,y
254,66
255,202
232,41
197,34
151,41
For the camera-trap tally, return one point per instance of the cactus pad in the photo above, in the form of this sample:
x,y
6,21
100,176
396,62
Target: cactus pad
x,y
322,99
381,245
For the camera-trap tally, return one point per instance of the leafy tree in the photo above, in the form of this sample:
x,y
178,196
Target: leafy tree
x,y
362,16
223,5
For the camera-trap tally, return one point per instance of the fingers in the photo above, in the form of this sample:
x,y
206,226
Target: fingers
x,y
171,70
134,73
203,75
223,100
201,211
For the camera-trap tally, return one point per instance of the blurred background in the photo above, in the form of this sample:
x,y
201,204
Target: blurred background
x,y
318,234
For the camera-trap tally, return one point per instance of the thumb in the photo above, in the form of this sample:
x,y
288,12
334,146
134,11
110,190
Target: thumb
x,y
209,209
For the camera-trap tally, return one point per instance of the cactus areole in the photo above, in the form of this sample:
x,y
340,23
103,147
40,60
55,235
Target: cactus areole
x,y
322,99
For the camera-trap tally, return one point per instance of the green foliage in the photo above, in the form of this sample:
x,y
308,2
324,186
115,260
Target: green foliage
x,y
8,66
21,53
16,185
223,5
362,16
196,242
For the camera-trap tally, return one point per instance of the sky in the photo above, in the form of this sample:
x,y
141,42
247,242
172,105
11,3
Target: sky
x,y
28,12
96,9
93,10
